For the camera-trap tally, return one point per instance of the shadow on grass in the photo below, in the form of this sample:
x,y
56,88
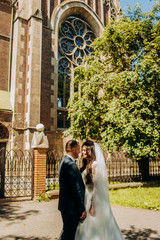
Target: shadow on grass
x,y
140,234
12,237
11,212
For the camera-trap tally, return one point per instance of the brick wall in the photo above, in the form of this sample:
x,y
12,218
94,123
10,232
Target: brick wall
x,y
39,171
90,3
44,12
5,23
98,8
56,140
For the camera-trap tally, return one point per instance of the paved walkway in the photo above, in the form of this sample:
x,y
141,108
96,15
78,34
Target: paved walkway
x,y
41,221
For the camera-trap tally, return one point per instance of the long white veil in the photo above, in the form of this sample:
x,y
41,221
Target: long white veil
x,y
101,226
101,170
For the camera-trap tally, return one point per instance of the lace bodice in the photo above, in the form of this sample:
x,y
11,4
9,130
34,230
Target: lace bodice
x,y
89,193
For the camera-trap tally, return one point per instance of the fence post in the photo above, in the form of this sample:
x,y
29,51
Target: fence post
x,y
40,145
39,180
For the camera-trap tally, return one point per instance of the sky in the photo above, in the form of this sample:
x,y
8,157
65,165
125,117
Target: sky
x,y
146,5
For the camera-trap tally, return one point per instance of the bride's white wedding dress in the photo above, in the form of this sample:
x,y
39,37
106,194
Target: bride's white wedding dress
x,y
101,226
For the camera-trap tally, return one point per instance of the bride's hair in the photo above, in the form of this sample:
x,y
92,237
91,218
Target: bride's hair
x,y
90,150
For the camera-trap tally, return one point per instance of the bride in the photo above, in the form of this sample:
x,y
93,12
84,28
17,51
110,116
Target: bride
x,y
100,223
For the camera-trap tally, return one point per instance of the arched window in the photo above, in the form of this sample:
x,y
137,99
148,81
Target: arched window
x,y
75,37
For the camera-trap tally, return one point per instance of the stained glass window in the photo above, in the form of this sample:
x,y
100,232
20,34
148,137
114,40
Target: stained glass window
x,y
75,37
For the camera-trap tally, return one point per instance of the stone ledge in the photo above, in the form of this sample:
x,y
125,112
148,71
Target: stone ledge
x,y
125,185
55,193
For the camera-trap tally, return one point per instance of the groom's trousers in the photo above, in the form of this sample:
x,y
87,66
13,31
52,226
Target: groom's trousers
x,y
70,223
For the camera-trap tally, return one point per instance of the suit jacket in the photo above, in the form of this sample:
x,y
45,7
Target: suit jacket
x,y
71,188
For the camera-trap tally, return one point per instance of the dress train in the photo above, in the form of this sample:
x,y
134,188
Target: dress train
x,y
101,226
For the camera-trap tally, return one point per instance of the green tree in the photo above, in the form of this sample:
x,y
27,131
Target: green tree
x,y
118,102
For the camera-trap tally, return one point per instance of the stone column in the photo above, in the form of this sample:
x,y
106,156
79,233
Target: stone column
x,y
26,72
33,98
94,5
102,11
39,181
18,82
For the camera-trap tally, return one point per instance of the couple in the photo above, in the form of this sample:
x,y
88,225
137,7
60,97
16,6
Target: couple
x,y
84,196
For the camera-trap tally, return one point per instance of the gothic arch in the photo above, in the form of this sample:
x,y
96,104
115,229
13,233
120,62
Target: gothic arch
x,y
65,82
72,7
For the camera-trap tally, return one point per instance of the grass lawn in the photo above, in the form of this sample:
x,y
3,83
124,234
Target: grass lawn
x,y
147,197
140,197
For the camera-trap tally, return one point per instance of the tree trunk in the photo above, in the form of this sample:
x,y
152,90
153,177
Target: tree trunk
x,y
144,168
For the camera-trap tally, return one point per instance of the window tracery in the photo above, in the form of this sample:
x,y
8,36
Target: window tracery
x,y
75,37
106,3
109,4
113,11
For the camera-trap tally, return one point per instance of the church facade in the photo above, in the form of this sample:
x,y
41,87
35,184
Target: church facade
x,y
41,41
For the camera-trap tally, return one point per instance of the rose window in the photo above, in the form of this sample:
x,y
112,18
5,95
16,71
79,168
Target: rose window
x,y
75,37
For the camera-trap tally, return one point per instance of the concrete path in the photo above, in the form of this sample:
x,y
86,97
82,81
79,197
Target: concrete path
x,y
30,220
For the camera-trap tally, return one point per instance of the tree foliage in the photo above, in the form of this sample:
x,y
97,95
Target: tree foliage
x,y
118,102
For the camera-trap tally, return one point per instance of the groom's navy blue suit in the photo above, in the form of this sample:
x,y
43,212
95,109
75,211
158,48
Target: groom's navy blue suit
x,y
71,197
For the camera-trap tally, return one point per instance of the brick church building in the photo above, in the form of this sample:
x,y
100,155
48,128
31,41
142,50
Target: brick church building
x,y
41,41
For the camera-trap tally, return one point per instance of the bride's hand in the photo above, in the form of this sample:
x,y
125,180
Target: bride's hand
x,y
92,211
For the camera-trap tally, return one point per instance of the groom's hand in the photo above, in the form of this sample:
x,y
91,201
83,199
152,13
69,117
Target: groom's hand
x,y
83,216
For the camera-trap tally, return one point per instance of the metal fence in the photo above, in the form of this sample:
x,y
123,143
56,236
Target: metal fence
x,y
154,169
16,179
16,171
53,160
119,168
122,169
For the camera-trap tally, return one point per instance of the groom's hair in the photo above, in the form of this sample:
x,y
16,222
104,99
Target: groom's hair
x,y
71,144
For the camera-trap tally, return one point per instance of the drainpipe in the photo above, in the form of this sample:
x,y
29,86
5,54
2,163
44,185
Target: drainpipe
x,y
10,48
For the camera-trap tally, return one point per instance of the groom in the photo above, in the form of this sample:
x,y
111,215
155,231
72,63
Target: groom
x,y
71,192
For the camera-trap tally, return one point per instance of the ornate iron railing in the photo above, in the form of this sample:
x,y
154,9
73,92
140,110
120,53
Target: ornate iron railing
x,y
53,160
154,168
119,168
17,173
122,169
